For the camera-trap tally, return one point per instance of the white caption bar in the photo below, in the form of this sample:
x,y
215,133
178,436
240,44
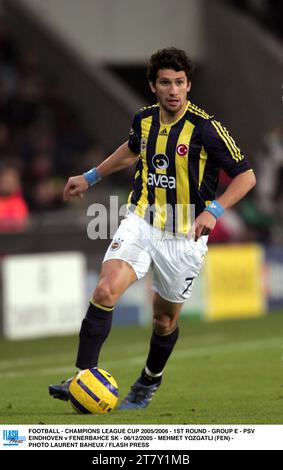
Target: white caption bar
x,y
142,437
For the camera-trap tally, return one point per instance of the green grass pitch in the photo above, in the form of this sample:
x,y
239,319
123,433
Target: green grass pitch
x,y
225,372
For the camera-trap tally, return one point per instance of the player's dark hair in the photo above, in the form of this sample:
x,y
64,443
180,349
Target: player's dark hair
x,y
169,58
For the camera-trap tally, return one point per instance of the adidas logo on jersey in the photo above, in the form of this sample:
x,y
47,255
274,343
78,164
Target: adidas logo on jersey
x,y
164,132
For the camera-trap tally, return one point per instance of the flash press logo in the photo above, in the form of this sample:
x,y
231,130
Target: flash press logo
x,y
11,437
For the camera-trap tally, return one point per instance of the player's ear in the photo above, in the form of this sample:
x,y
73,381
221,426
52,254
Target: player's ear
x,y
189,86
152,87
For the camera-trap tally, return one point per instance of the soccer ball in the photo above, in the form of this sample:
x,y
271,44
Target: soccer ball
x,y
93,391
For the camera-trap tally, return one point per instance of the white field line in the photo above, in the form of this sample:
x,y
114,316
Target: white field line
x,y
30,361
243,346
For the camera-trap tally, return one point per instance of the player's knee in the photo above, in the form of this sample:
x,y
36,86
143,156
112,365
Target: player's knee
x,y
105,293
163,324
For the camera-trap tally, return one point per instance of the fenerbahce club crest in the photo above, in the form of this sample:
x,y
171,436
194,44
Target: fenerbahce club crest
x,y
116,244
143,144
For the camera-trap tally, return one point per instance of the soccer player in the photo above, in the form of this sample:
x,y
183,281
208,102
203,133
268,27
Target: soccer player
x,y
178,150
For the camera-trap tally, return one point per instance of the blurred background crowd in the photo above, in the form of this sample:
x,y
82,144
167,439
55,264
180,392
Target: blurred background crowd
x,y
41,139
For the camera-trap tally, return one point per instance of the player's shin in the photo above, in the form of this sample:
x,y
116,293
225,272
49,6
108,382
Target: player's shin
x,y
95,328
161,347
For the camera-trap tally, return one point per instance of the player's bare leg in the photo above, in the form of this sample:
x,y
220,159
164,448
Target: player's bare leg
x,y
164,336
115,277
165,315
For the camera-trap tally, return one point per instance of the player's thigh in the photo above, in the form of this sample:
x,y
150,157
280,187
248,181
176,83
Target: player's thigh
x,y
176,265
115,277
129,245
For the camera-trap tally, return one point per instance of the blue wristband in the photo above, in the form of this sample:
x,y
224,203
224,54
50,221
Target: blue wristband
x,y
215,209
92,176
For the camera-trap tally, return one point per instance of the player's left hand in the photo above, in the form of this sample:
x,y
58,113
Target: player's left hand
x,y
203,225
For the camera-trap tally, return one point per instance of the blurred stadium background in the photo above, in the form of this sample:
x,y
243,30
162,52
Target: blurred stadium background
x,y
72,74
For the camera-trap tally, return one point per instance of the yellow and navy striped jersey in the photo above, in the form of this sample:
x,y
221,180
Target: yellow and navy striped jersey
x,y
178,169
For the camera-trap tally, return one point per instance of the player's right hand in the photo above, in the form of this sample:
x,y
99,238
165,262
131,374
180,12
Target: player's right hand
x,y
75,187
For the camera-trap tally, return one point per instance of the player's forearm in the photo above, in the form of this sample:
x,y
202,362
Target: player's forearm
x,y
122,158
237,189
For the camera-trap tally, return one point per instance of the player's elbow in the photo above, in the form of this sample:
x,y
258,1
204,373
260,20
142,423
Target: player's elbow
x,y
248,179
252,180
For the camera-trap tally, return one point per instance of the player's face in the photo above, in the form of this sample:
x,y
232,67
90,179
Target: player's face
x,y
171,90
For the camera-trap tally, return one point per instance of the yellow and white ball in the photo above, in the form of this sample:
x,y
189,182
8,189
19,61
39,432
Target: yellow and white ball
x,y
93,391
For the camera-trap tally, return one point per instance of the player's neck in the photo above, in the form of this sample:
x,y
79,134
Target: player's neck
x,y
170,118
